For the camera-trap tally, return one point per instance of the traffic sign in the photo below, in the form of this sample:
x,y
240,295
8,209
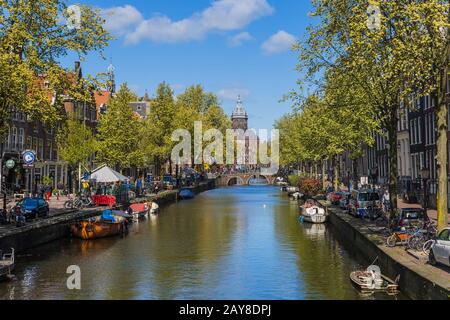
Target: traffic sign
x,y
10,164
29,157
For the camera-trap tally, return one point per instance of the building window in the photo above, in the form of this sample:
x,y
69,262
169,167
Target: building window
x,y
13,138
21,138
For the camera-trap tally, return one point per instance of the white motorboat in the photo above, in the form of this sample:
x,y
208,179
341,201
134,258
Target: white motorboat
x,y
7,264
154,208
313,212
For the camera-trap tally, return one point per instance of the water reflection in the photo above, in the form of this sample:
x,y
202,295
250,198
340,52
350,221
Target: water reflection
x,y
231,243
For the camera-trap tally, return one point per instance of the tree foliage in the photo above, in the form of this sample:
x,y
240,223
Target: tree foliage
x,y
120,132
76,143
32,41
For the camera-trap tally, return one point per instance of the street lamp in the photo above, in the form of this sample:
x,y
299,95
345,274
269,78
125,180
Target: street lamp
x,y
425,175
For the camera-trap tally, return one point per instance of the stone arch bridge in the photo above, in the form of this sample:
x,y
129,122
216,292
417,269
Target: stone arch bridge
x,y
242,179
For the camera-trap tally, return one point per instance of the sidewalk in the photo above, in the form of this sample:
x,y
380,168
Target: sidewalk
x,y
432,214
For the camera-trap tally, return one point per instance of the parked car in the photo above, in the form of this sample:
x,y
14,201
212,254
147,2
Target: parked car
x,y
31,208
410,217
361,200
440,250
343,202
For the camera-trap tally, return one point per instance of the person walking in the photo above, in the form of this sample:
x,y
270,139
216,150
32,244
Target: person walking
x,y
386,201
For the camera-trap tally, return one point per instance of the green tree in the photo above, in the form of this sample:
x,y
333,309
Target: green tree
x,y
382,59
120,132
195,104
159,126
76,142
32,41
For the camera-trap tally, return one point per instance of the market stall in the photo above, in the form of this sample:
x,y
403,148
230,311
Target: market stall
x,y
107,181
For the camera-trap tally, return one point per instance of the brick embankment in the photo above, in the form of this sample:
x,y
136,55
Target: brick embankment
x,y
418,280
57,226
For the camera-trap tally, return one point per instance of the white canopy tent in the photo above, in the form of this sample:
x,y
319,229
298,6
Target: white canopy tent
x,y
105,174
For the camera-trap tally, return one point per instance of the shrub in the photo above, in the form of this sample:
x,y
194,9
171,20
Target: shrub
x,y
310,186
294,180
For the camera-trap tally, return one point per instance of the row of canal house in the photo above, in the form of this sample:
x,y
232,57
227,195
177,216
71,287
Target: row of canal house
x,y
27,134
416,150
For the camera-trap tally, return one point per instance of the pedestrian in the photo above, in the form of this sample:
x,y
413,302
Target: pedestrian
x,y
386,200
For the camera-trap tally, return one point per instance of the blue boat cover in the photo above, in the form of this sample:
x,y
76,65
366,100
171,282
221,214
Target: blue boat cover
x,y
186,193
107,215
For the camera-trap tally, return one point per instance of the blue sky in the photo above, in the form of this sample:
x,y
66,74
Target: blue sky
x,y
229,46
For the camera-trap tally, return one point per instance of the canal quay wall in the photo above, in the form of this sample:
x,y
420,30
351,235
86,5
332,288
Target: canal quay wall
x,y
417,280
58,227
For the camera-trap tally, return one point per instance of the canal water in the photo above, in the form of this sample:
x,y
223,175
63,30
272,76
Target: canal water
x,y
242,242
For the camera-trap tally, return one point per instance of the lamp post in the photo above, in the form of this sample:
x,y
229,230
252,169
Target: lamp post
x,y
425,175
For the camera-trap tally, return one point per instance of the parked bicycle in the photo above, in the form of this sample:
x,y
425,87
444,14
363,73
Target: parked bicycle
x,y
425,232
400,237
78,203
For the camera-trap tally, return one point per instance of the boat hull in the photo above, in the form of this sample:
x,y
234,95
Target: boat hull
x,y
315,218
89,230
358,280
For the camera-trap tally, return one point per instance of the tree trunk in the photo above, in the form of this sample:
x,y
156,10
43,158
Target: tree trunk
x,y
316,169
324,180
336,173
355,174
392,156
442,157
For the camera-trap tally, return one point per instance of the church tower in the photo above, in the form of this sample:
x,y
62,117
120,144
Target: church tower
x,y
239,117
111,79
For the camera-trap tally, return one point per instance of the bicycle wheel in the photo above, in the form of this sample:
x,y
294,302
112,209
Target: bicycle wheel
x,y
413,243
391,241
427,246
68,204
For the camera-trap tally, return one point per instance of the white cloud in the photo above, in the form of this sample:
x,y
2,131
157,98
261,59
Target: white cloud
x,y
121,20
233,93
221,15
238,39
279,42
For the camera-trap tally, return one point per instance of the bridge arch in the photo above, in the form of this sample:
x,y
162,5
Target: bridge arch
x,y
254,176
237,179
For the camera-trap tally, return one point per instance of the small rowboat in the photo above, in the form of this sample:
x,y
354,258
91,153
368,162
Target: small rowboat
x,y
6,264
102,226
371,280
313,212
154,208
139,211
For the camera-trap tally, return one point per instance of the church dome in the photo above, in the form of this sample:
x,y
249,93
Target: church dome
x,y
239,111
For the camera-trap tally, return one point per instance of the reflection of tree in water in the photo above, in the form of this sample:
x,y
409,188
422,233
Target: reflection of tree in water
x,y
187,245
322,263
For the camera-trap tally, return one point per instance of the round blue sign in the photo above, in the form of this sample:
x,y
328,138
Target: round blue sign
x,y
29,157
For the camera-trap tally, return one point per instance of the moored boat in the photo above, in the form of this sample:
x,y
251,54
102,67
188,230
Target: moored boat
x,y
291,190
311,211
7,264
186,193
154,208
106,225
372,280
139,211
